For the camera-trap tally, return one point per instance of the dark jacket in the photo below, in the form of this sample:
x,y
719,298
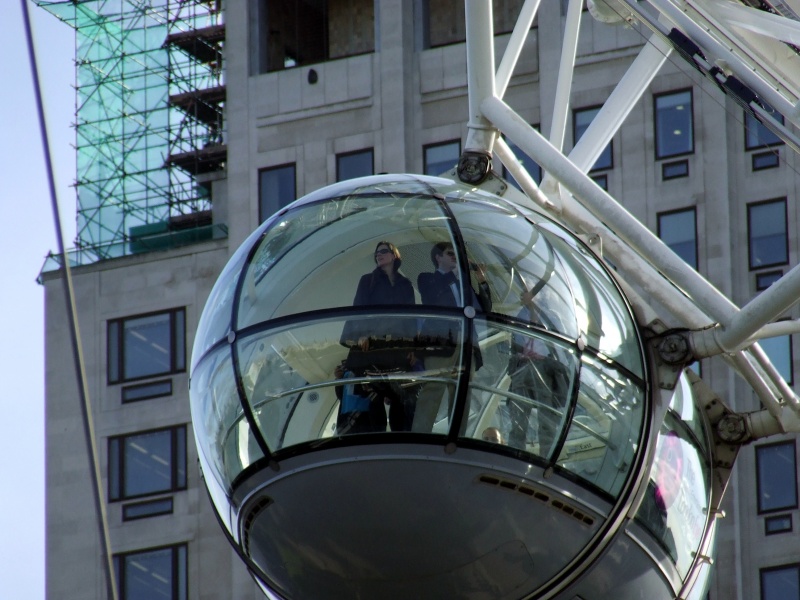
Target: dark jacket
x,y
375,289
441,335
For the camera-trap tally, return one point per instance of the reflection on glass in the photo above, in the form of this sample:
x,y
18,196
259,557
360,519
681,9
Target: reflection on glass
x,y
363,309
602,313
309,382
522,269
316,253
542,375
605,428
223,434
675,508
674,124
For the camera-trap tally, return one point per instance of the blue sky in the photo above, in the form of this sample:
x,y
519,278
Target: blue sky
x,y
27,233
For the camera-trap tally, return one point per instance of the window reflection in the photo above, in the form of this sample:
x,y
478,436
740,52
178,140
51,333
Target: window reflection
x,y
674,124
675,508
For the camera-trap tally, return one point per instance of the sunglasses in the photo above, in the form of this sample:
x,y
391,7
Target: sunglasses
x,y
383,251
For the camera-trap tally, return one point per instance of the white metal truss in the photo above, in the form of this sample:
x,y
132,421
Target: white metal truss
x,y
750,53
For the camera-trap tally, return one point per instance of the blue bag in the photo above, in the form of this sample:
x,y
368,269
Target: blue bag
x,y
352,402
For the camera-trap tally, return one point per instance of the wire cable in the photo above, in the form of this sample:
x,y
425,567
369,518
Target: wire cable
x,y
72,315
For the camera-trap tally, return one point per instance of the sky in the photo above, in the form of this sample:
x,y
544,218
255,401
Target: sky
x,y
27,233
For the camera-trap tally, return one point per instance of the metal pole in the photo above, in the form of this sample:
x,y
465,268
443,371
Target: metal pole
x,y
620,103
767,306
480,73
565,70
605,208
77,354
515,43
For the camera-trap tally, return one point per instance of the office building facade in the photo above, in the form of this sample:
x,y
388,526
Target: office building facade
x,y
296,96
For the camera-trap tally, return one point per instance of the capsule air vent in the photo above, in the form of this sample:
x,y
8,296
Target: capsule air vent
x,y
256,510
541,496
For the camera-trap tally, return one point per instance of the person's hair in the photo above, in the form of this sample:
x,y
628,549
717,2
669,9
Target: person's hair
x,y
393,249
437,250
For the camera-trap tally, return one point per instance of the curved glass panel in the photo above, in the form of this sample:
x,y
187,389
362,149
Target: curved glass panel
x,y
603,315
215,322
675,507
525,276
522,389
354,315
316,256
223,434
307,382
604,433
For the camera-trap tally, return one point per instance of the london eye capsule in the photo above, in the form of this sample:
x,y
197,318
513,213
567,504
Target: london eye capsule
x,y
404,387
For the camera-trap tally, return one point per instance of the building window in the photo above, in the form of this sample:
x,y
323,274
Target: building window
x,y
530,165
440,158
581,119
445,20
601,180
776,475
778,524
781,583
146,346
143,464
157,573
276,189
678,230
756,134
354,164
146,391
764,280
765,160
779,350
674,124
675,169
294,34
767,233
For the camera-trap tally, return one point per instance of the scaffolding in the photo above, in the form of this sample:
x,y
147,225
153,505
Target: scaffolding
x,y
149,124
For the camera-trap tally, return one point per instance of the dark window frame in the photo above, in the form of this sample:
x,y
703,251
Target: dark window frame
x,y
758,156
667,213
789,381
126,509
786,567
144,386
655,122
341,155
261,208
115,369
769,511
506,173
575,138
759,278
775,519
753,205
177,577
747,145
665,166
116,472
264,27
427,147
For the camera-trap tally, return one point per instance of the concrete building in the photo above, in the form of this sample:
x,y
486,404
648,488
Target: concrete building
x,y
371,87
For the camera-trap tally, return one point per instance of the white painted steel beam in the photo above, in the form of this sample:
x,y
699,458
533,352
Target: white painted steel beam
x,y
565,70
620,103
515,44
480,73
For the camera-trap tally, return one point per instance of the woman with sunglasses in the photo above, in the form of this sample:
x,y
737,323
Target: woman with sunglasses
x,y
383,344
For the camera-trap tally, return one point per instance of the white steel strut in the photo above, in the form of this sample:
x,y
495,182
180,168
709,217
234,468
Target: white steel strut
x,y
751,55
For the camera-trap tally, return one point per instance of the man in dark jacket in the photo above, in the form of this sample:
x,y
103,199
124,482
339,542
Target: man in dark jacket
x,y
440,337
